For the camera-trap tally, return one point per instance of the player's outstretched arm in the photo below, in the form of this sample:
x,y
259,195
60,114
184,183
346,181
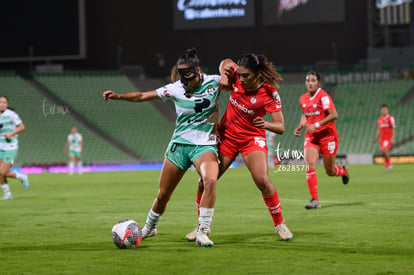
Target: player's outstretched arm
x,y
133,96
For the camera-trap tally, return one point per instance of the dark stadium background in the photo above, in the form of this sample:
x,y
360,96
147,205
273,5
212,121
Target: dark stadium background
x,y
344,39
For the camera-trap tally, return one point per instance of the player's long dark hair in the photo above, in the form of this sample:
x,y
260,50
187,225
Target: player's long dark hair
x,y
7,102
190,58
260,65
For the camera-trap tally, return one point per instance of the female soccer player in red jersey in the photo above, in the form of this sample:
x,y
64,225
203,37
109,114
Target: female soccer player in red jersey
x,y
321,136
243,129
385,132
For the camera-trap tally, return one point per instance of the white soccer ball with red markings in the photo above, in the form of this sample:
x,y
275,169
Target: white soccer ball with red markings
x,y
126,234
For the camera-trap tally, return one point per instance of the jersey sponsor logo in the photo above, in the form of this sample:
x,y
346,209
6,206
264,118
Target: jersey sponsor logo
x,y
384,125
260,141
214,137
276,98
316,113
241,107
165,93
326,103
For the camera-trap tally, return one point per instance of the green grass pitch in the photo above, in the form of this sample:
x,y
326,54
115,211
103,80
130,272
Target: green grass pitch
x,y
62,225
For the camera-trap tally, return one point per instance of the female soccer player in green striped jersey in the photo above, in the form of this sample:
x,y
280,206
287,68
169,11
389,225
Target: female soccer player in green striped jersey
x,y
193,142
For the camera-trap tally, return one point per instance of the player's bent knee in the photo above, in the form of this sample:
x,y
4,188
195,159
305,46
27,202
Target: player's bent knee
x,y
330,172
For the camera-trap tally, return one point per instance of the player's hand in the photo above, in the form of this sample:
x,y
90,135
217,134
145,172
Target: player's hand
x,y
311,129
230,72
259,122
7,135
107,95
297,131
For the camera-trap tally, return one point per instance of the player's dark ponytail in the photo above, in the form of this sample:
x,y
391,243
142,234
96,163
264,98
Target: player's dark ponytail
x,y
260,65
190,58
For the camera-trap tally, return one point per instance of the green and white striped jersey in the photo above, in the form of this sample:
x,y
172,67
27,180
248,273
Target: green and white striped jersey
x,y
195,122
75,142
9,120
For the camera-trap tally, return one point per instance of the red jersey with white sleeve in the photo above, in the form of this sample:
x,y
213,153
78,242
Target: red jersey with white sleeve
x,y
386,124
315,109
244,106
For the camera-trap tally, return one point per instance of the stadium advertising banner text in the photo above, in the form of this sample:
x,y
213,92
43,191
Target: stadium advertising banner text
x,y
278,12
196,14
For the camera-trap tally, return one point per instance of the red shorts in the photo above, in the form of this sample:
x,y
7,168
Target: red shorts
x,y
327,144
231,147
385,144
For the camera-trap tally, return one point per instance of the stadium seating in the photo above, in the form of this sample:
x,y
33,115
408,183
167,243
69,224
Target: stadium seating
x,y
47,126
358,106
142,129
139,127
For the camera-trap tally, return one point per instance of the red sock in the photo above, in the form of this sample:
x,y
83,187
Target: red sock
x,y
273,205
339,171
312,182
387,162
198,202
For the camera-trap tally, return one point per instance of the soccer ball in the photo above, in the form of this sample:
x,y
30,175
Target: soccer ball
x,y
126,234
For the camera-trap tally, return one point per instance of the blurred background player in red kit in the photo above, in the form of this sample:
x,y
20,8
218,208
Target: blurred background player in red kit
x,y
321,136
242,128
385,132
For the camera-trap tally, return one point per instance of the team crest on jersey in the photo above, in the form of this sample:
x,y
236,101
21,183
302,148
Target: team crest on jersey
x,y
253,100
315,105
260,141
303,105
211,89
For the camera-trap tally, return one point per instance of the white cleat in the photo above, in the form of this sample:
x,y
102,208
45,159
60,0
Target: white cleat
x,y
203,240
7,197
283,232
192,236
149,234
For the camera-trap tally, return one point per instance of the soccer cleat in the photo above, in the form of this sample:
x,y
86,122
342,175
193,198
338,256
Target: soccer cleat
x,y
345,179
7,197
151,233
283,232
388,169
203,240
313,204
192,236
25,182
